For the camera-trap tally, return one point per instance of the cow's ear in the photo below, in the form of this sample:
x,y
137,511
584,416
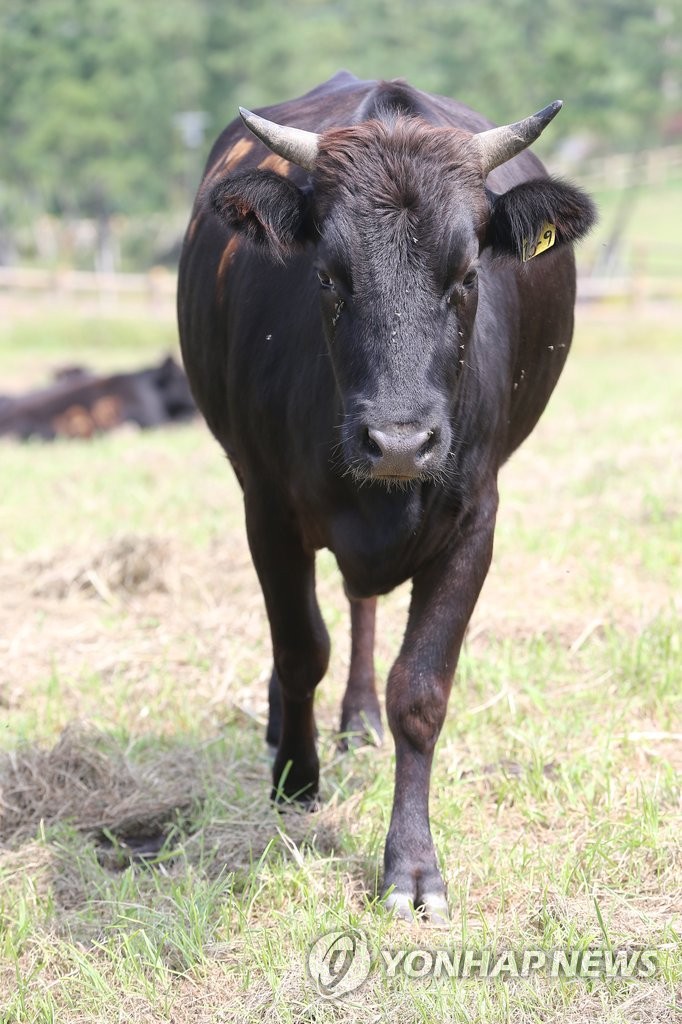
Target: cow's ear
x,y
518,217
269,209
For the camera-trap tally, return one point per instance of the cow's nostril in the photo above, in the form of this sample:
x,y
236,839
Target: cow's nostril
x,y
371,445
429,443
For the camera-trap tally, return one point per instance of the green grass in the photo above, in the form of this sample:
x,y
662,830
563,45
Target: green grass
x,y
134,653
33,345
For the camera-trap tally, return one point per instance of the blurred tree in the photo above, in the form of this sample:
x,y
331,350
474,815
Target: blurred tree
x,y
88,89
91,90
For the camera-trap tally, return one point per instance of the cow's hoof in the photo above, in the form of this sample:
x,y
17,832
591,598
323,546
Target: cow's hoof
x,y
430,908
295,783
361,729
303,801
306,798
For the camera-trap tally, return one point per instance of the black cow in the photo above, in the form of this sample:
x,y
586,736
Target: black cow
x,y
366,342
82,404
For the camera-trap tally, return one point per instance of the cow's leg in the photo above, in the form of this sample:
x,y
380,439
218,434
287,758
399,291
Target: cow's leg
x,y
360,713
443,598
300,644
274,729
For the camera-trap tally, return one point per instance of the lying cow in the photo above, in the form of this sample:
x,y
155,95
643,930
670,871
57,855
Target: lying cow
x,y
375,303
81,404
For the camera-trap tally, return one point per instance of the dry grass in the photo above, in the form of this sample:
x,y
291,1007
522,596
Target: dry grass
x,y
144,875
87,780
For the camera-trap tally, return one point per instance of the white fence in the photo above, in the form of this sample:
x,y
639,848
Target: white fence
x,y
155,289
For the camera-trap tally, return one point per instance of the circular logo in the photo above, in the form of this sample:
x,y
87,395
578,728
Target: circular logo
x,y
339,962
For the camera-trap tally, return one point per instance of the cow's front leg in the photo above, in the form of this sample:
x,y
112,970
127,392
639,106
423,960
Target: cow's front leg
x,y
274,728
300,644
360,712
443,598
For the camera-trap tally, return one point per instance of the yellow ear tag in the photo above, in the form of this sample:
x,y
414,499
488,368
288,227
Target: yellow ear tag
x,y
546,240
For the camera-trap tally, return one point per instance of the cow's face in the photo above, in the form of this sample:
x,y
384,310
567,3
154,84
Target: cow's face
x,y
401,213
397,216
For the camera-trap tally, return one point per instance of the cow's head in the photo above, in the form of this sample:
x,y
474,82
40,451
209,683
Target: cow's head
x,y
398,213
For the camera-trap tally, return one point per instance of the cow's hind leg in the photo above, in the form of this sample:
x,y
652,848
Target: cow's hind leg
x,y
300,645
360,713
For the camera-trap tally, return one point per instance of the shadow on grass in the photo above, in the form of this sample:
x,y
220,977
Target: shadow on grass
x,y
76,818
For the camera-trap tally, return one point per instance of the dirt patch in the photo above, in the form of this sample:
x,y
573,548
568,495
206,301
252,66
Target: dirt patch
x,y
136,616
172,629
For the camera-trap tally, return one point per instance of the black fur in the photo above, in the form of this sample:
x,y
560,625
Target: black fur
x,y
371,415
517,215
269,209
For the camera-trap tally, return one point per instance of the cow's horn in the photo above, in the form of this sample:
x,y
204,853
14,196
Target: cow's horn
x,y
292,143
500,144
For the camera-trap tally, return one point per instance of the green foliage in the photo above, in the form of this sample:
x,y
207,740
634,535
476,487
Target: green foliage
x,y
90,90
87,92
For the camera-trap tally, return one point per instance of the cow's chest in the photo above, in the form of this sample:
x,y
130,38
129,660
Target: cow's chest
x,y
384,539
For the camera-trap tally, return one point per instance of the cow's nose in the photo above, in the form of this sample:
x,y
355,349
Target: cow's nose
x,y
399,450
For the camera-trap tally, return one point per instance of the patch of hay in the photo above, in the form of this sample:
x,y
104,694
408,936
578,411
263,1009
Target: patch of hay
x,y
89,782
129,564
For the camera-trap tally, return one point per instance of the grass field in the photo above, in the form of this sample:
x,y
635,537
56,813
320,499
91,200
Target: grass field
x,y
133,673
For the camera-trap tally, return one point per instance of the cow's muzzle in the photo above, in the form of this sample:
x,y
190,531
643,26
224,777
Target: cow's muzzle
x,y
397,451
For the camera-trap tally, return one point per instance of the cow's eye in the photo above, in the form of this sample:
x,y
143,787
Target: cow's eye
x,y
459,289
324,279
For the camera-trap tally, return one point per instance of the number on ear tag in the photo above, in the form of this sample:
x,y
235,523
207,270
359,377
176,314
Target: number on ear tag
x,y
546,240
